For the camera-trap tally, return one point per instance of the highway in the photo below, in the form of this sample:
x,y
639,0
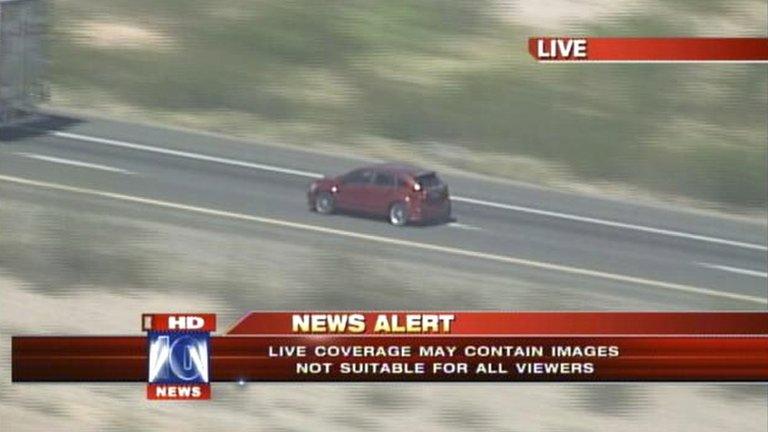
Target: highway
x,y
675,257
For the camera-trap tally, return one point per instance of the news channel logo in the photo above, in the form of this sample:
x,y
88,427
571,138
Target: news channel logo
x,y
178,354
179,357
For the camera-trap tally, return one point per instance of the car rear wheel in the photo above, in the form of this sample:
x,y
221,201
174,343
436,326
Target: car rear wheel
x,y
398,214
324,203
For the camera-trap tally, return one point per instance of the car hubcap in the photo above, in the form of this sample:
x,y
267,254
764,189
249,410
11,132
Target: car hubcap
x,y
323,204
397,215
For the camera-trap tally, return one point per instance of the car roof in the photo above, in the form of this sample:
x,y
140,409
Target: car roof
x,y
399,168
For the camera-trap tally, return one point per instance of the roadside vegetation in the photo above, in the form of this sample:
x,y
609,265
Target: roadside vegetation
x,y
450,83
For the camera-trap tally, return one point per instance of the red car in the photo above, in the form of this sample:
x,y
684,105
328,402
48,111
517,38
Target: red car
x,y
402,193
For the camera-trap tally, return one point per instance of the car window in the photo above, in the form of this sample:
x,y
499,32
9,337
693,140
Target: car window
x,y
384,179
429,180
359,177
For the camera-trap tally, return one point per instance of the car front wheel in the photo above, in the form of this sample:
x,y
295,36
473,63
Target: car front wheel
x,y
324,203
398,214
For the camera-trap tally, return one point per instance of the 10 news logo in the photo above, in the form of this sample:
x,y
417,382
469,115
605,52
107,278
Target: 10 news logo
x,y
178,355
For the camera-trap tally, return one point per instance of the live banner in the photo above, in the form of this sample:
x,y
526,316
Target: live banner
x,y
553,49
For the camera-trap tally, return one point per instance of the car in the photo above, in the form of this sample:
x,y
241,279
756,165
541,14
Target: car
x,y
402,193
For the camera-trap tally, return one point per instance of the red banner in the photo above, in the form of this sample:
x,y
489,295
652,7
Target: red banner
x,y
512,323
410,358
426,346
590,49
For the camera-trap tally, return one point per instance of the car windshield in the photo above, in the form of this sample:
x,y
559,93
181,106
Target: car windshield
x,y
429,180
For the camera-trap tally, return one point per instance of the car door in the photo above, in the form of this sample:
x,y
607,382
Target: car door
x,y
381,193
353,190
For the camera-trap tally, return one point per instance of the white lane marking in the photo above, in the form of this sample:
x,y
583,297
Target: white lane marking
x,y
189,155
464,226
309,174
754,273
74,163
392,241
611,223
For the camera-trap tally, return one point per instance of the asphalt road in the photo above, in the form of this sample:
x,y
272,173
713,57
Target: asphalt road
x,y
673,255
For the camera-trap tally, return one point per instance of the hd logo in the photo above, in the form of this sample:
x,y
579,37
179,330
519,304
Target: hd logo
x,y
178,355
